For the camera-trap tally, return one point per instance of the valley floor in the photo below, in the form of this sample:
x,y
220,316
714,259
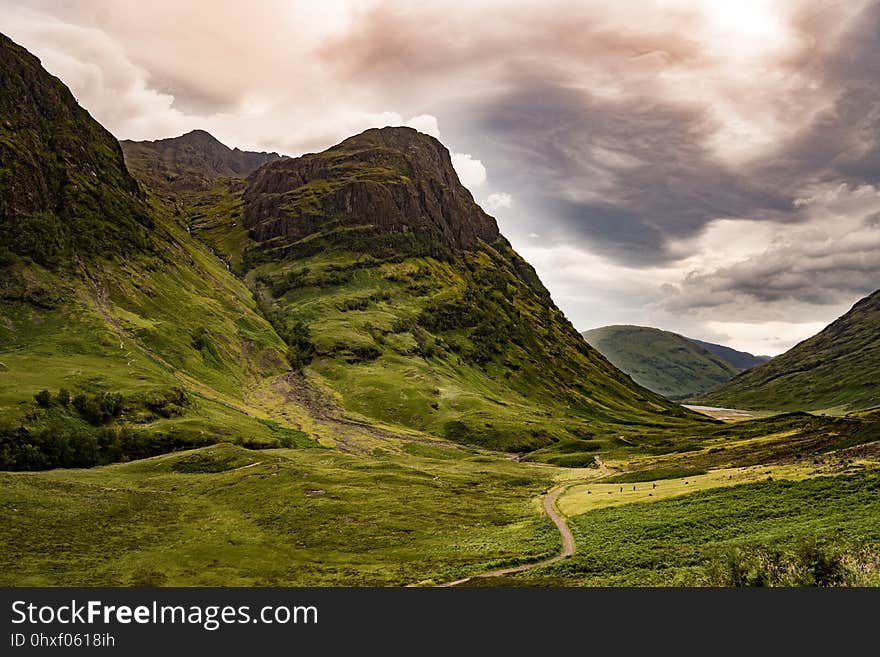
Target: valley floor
x,y
410,513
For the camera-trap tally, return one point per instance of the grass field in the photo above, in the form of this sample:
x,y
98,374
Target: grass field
x,y
224,515
692,539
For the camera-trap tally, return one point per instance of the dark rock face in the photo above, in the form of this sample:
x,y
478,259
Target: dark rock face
x,y
192,161
395,180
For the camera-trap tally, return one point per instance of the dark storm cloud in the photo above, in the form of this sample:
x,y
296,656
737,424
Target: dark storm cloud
x,y
843,143
623,177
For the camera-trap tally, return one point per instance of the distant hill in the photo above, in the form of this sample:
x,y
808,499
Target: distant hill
x,y
741,360
664,362
837,369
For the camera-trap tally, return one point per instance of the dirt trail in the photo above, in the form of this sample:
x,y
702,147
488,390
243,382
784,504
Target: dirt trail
x,y
564,531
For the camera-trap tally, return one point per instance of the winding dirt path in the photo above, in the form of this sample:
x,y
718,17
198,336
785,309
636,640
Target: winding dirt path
x,y
564,532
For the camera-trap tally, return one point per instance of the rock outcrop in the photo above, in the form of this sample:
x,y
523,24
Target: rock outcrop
x,y
395,180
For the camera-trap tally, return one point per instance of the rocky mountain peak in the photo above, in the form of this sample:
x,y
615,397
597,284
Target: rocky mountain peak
x,y
192,161
392,180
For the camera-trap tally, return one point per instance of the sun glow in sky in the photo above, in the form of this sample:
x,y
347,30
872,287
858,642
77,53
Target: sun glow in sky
x,y
706,166
757,22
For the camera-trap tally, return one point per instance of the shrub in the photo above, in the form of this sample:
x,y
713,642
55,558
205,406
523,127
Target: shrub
x,y
810,563
167,403
43,398
356,303
199,338
98,409
301,349
425,345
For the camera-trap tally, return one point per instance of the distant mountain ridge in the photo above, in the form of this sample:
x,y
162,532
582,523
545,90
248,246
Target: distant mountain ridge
x,y
192,161
836,369
742,360
665,362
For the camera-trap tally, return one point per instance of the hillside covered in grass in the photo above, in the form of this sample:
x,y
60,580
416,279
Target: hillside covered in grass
x,y
394,290
223,368
195,305
662,361
120,335
837,370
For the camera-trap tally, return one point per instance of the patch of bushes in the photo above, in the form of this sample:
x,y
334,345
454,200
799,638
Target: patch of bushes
x,y
167,403
355,303
362,354
97,409
101,407
376,333
63,443
426,347
301,348
810,564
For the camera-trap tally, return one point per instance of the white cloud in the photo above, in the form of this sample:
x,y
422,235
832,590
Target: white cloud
x,y
499,200
764,338
426,123
471,172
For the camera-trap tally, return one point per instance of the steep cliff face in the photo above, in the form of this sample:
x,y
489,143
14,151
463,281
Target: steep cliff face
x,y
193,161
64,187
387,181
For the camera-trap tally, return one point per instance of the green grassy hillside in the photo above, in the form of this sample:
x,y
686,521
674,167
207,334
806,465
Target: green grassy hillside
x,y
396,290
227,516
818,531
139,336
664,362
305,376
837,370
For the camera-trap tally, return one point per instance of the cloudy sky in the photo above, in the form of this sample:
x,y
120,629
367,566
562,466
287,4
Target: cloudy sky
x,y
706,166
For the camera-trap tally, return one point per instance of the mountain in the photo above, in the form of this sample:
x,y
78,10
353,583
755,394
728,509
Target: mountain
x,y
397,292
131,336
357,312
220,295
201,180
64,189
664,362
193,161
741,360
418,311
835,370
